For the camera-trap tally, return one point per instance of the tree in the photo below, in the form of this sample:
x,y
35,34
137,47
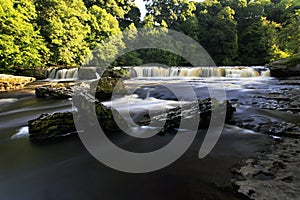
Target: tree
x,y
20,43
218,31
172,12
63,24
103,25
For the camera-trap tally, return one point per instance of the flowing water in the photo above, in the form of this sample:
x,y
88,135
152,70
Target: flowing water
x,y
65,170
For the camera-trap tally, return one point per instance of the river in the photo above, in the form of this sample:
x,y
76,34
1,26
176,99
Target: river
x,y
65,170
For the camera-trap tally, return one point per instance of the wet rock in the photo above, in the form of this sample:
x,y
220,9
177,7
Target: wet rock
x,y
106,87
109,119
55,91
51,126
202,108
58,125
267,126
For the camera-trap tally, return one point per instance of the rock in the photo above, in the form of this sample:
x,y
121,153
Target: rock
x,y
10,82
272,174
55,91
203,108
38,73
108,86
51,126
107,117
88,73
58,125
286,67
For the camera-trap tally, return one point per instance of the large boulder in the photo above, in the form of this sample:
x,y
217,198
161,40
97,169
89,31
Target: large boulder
x,y
50,126
286,67
108,86
203,108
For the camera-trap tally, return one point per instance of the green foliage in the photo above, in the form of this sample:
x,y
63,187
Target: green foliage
x,y
103,25
170,11
63,25
35,33
20,43
218,31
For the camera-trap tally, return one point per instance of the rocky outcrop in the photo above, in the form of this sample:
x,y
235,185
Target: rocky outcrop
x,y
104,90
55,91
272,174
50,126
286,67
10,82
58,125
108,86
202,108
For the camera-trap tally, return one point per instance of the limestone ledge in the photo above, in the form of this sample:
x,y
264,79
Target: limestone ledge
x,y
11,82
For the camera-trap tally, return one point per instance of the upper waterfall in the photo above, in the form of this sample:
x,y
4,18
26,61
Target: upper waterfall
x,y
156,71
230,72
58,73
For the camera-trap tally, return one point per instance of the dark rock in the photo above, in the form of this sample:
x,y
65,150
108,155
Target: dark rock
x,y
286,67
108,86
202,108
108,118
50,126
55,91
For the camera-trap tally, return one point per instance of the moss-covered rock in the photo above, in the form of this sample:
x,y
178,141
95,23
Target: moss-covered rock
x,y
286,67
50,126
55,90
107,86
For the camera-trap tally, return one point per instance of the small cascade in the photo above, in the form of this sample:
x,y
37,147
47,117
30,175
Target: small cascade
x,y
62,74
230,72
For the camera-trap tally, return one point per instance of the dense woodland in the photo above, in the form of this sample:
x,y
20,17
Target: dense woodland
x,y
40,33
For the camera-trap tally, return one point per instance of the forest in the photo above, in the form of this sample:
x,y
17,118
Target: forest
x,y
41,33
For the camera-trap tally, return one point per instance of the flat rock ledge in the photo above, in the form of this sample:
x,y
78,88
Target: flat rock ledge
x,y
11,82
273,174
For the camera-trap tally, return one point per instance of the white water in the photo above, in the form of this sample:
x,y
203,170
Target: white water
x,y
154,71
22,132
230,72
67,74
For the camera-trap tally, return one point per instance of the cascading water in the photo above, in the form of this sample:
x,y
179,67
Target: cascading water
x,y
230,72
56,73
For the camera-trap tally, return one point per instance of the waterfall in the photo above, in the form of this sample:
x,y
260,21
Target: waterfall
x,y
230,72
62,74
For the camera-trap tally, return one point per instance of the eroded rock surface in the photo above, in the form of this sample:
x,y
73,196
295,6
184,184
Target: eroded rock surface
x,y
10,82
271,175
